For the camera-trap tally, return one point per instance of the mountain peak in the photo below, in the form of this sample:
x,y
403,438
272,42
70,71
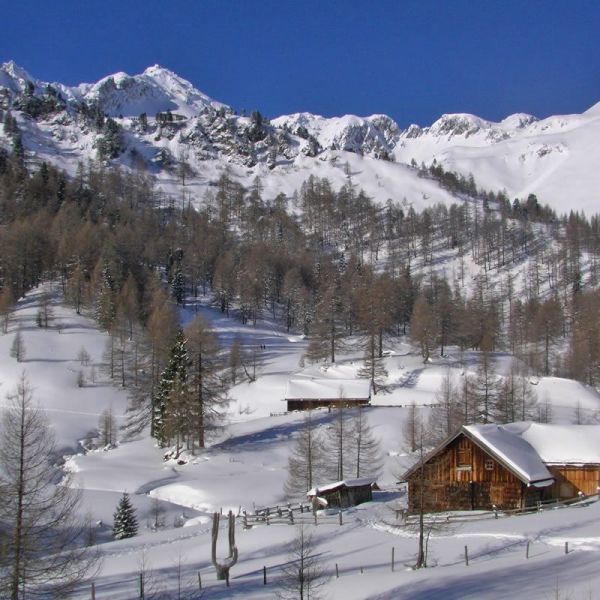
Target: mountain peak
x,y
14,70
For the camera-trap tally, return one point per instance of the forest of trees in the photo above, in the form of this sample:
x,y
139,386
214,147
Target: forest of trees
x,y
326,263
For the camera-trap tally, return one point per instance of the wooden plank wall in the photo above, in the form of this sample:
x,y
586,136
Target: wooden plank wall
x,y
464,477
570,480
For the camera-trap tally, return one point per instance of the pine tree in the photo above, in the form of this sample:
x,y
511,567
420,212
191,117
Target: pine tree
x,y
339,442
7,305
208,392
17,349
423,327
39,526
105,295
125,521
446,416
235,360
486,388
325,339
365,446
305,462
176,370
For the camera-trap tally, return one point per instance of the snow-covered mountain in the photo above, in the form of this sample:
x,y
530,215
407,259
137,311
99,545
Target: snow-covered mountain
x,y
156,120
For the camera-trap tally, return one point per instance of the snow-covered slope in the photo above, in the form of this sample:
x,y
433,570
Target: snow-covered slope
x,y
162,120
247,465
155,90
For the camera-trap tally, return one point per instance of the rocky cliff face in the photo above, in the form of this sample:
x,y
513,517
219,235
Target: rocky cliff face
x,y
160,122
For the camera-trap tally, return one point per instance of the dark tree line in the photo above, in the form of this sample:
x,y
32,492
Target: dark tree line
x,y
330,264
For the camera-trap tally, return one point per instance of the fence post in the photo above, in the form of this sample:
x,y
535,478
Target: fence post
x,y
527,550
315,513
337,573
340,515
141,586
264,575
199,581
291,514
393,551
93,591
566,547
466,556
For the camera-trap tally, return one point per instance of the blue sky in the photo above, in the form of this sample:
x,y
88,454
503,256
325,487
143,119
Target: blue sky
x,y
413,60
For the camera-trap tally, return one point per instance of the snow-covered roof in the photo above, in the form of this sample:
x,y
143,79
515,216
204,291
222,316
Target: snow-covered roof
x,y
347,483
513,451
327,389
561,444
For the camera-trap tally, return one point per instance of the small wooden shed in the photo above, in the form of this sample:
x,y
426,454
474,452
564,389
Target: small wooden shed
x,y
304,393
343,494
509,466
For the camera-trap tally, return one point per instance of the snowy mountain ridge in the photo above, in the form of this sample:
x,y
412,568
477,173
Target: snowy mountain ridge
x,y
160,119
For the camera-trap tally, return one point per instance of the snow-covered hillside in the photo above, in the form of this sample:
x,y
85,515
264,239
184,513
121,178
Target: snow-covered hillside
x,y
246,466
162,122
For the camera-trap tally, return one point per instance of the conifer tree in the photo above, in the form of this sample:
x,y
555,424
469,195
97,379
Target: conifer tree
x,y
423,327
305,462
17,349
7,304
339,442
125,522
486,388
208,392
39,556
365,446
325,338
176,370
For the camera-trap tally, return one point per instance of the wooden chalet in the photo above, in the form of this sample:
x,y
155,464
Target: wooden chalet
x,y
304,393
343,494
509,466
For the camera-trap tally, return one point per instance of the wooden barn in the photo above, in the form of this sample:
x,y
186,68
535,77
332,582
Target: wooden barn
x,y
343,494
304,393
509,466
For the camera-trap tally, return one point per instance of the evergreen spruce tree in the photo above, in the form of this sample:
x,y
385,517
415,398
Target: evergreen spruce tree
x,y
368,460
174,373
125,522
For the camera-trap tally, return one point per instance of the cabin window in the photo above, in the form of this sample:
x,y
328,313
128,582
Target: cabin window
x,y
489,464
464,456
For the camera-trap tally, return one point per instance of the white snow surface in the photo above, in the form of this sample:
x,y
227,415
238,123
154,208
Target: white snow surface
x,y
561,444
514,451
554,158
327,389
246,465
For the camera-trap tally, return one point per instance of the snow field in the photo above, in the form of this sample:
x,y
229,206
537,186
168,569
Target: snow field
x,y
246,467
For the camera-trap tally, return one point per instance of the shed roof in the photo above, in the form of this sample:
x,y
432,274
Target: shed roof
x,y
327,389
344,483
